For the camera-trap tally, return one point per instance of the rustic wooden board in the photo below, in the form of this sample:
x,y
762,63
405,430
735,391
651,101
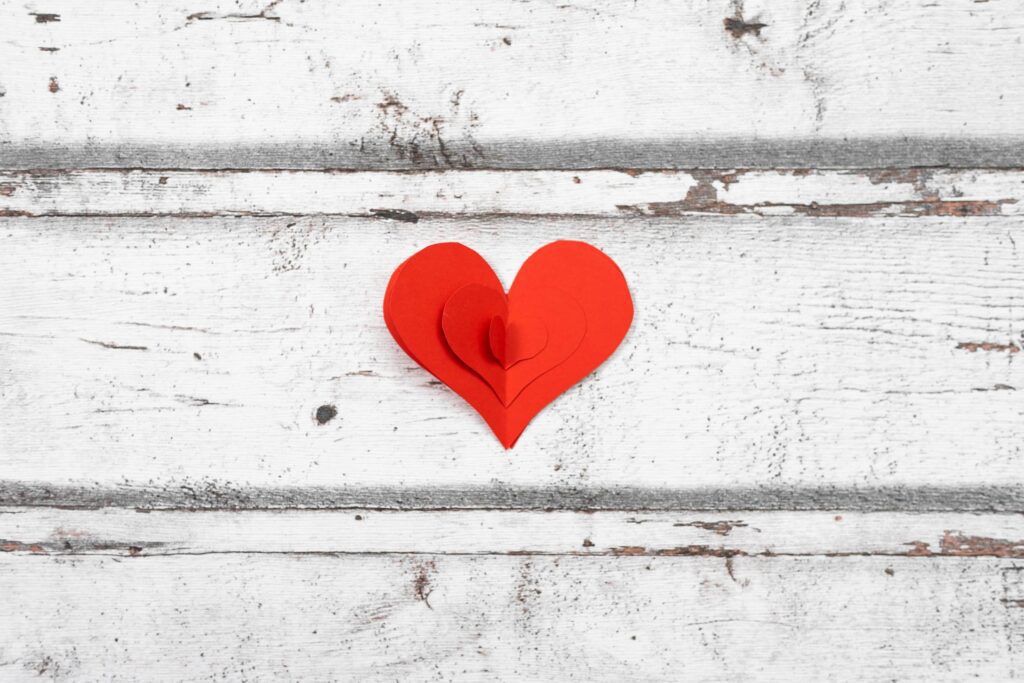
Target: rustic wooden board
x,y
408,197
123,532
804,462
435,617
181,355
537,84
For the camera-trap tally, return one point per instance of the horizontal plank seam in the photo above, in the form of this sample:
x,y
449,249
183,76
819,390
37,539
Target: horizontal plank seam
x,y
437,215
664,554
628,170
949,151
200,496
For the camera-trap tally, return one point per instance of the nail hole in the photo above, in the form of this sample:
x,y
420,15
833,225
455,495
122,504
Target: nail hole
x,y
325,413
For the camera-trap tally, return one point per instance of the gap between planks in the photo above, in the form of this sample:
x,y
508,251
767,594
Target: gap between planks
x,y
380,153
122,532
205,495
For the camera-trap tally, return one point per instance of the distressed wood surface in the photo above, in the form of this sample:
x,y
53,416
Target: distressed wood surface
x,y
429,617
409,196
173,354
122,532
804,462
538,84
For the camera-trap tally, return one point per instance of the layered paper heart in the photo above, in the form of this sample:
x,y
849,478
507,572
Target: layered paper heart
x,y
508,355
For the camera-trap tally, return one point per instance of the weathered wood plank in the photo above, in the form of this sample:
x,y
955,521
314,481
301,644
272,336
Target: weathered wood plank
x,y
738,533
320,617
532,84
792,352
410,196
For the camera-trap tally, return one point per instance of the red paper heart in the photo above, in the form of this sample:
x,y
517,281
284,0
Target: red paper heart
x,y
442,302
476,319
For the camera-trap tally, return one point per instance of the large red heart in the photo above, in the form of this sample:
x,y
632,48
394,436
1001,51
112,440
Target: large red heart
x,y
508,356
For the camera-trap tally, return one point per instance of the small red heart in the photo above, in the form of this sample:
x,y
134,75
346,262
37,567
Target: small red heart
x,y
514,339
508,356
499,339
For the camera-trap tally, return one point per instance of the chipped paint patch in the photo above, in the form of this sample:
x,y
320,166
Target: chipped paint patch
x,y
974,347
74,545
955,543
680,551
738,28
421,584
722,528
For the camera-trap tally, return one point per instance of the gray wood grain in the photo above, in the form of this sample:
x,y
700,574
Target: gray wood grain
x,y
1003,152
222,495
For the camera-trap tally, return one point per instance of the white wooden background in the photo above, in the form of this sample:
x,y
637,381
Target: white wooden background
x,y
805,461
